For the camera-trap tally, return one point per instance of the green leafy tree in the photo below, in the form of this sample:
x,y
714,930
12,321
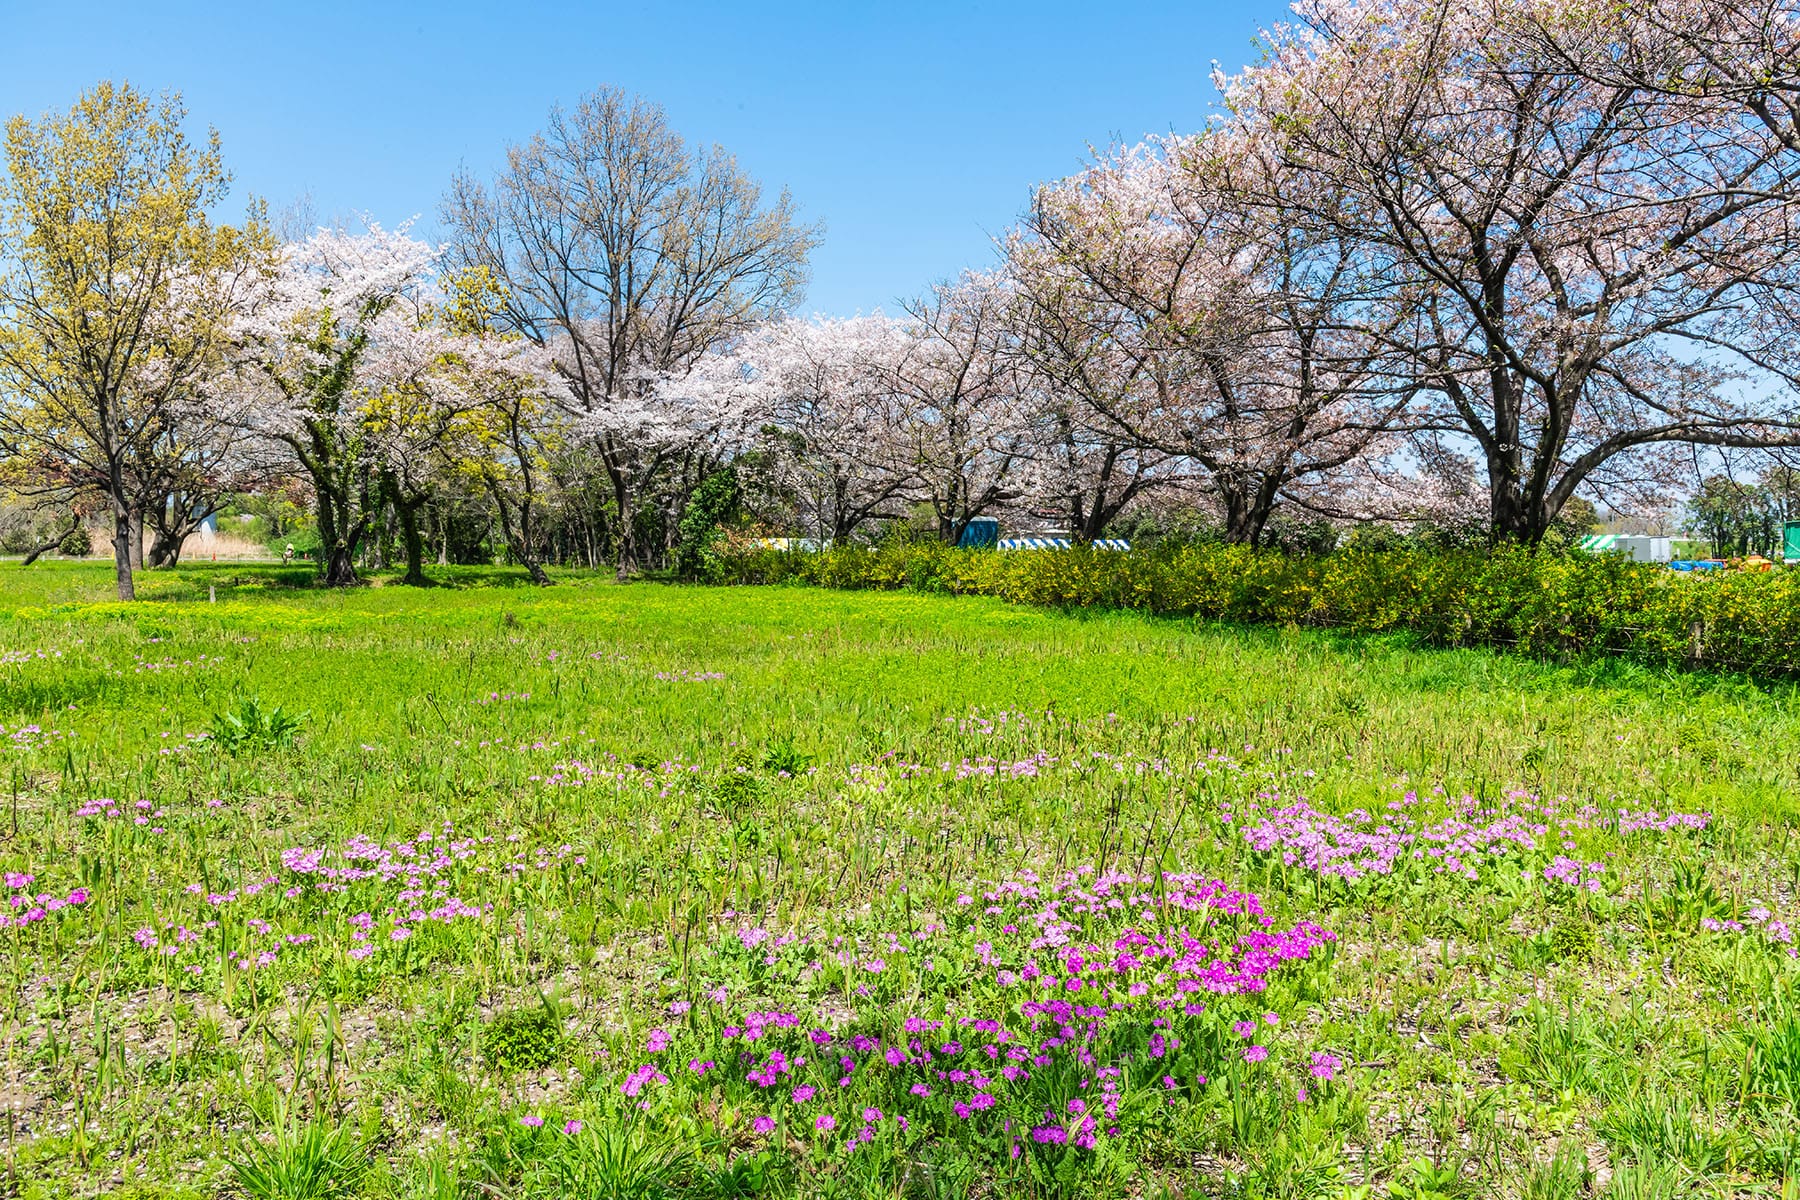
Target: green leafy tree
x,y
715,502
114,293
1734,518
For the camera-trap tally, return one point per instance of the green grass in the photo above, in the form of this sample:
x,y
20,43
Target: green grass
x,y
1492,1027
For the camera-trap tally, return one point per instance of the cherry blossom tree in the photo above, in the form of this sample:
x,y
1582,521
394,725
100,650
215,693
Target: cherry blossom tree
x,y
1082,370
964,419
824,391
457,403
1744,51
197,456
510,440
1587,249
1186,310
339,321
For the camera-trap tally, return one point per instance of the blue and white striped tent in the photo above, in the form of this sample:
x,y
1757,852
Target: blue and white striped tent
x,y
1059,543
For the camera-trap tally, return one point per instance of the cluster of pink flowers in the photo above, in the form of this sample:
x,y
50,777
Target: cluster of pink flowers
x,y
1060,990
18,658
642,1077
662,779
1003,721
891,765
188,742
1468,836
1757,917
357,899
29,737
1574,873
144,814
200,662
29,908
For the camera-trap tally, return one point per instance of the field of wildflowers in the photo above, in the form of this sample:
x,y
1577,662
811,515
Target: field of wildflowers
x,y
494,891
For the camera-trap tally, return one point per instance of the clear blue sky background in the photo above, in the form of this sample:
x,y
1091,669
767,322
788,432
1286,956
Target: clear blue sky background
x,y
914,131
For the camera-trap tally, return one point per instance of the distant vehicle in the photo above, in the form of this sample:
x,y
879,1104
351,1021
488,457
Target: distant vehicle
x,y
982,533
1638,548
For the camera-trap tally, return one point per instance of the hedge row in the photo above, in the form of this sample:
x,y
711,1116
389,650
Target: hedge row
x,y
1544,604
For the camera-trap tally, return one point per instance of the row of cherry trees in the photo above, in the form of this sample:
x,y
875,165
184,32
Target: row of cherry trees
x,y
1445,259
1439,259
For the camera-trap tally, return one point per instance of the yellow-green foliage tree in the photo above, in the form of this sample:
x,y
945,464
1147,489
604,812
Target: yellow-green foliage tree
x,y
114,292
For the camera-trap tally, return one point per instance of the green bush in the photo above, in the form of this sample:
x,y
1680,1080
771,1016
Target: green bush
x,y
715,501
1547,604
523,1038
77,543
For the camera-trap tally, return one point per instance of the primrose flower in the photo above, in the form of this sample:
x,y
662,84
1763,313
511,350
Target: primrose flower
x,y
572,1128
531,1120
1255,1054
826,1123
763,1124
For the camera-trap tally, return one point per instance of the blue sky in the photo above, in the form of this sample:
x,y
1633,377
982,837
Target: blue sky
x,y
913,131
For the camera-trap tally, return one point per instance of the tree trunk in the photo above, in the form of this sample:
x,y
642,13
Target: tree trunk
x,y
378,550
340,565
415,544
1248,506
628,556
122,552
339,535
136,551
627,539
518,533
165,549
1512,514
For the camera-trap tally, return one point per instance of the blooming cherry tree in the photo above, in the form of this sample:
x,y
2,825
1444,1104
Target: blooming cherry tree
x,y
965,418
824,390
1182,308
1589,250
337,324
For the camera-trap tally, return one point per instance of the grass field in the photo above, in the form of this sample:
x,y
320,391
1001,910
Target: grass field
x,y
629,891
